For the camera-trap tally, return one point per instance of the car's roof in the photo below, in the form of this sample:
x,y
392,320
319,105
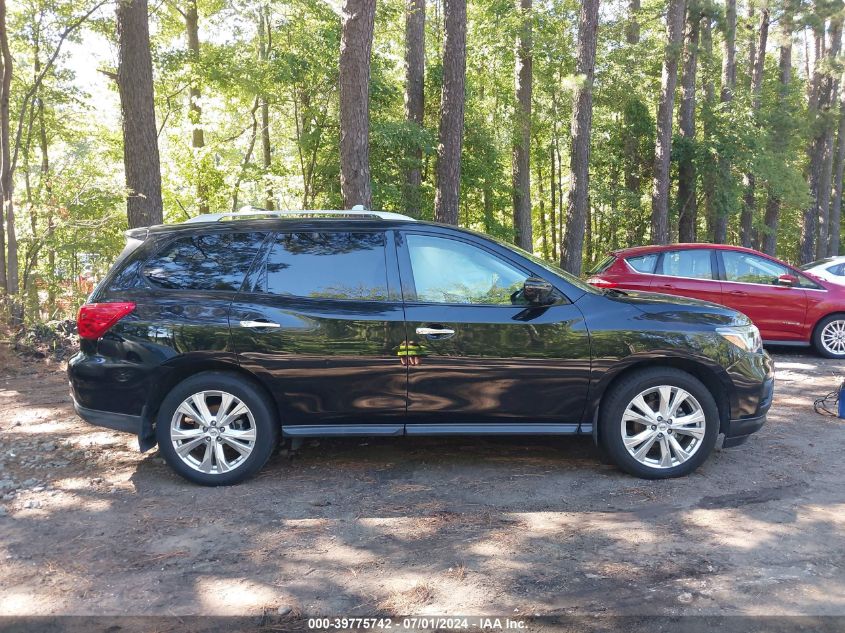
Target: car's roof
x,y
833,259
291,223
659,248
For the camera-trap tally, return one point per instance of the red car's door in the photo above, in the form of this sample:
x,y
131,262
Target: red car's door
x,y
689,272
750,285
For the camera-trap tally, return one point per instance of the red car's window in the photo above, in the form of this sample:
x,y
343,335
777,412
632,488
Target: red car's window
x,y
602,266
692,264
750,269
643,263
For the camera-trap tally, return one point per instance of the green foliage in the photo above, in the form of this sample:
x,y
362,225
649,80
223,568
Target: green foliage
x,y
71,218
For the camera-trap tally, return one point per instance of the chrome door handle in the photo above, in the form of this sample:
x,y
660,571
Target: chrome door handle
x,y
259,324
430,331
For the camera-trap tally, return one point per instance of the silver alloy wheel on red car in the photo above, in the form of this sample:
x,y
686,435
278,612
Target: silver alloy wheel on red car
x,y
663,426
213,432
833,337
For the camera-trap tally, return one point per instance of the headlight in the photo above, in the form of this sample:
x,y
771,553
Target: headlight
x,y
745,337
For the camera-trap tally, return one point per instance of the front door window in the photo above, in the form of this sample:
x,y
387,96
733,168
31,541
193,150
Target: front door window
x,y
451,271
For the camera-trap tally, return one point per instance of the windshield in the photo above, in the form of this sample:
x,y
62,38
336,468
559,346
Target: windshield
x,y
550,267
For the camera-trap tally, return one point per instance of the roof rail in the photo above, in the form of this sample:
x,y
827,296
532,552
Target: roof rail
x,y
250,213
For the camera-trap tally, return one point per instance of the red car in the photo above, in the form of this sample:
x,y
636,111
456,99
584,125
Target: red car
x,y
789,307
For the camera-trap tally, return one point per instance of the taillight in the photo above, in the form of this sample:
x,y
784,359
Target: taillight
x,y
95,319
601,283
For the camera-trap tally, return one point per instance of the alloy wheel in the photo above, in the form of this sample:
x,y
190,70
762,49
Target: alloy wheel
x,y
213,432
663,426
833,337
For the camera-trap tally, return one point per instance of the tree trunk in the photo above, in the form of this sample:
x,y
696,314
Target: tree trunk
x,y
8,273
729,52
708,180
631,142
831,97
769,241
687,196
809,223
632,26
265,41
814,225
839,167
451,113
140,140
749,198
553,201
579,161
544,235
194,109
356,44
521,166
720,219
665,108
414,97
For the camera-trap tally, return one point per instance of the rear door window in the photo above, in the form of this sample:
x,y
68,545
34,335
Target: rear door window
x,y
328,265
691,264
214,261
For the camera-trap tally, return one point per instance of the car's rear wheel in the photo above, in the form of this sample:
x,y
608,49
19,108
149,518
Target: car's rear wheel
x,y
216,429
829,336
659,423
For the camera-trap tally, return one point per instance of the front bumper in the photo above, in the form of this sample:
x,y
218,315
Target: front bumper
x,y
115,421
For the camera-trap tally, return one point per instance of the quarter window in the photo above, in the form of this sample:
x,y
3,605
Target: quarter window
x,y
451,271
692,264
643,263
214,261
328,265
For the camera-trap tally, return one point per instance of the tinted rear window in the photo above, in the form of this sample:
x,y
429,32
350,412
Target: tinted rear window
x,y
328,265
643,263
215,261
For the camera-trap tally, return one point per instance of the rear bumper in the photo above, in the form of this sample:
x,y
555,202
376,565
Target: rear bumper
x,y
739,430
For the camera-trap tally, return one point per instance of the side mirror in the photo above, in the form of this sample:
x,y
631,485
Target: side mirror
x,y
537,291
787,280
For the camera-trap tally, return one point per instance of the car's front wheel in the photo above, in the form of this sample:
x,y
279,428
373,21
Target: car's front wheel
x,y
659,423
216,429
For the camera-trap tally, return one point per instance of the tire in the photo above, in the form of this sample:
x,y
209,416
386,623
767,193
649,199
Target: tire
x,y
695,437
211,451
829,336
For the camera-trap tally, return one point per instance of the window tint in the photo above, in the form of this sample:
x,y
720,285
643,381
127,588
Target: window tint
x,y
751,269
328,265
450,271
643,263
215,261
692,263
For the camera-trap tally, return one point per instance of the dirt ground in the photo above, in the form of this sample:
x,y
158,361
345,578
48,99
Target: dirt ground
x,y
90,526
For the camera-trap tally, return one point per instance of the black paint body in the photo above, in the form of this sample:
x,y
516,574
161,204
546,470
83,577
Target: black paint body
x,y
359,367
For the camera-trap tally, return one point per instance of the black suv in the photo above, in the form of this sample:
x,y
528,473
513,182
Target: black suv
x,y
215,337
